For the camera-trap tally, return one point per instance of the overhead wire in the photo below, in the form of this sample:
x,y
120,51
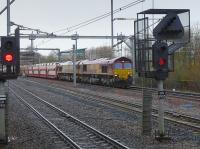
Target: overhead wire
x,y
116,11
87,22
90,21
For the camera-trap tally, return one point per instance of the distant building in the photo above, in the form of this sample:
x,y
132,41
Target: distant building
x,y
29,57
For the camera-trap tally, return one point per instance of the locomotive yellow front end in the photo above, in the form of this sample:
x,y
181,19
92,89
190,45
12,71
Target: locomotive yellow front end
x,y
123,72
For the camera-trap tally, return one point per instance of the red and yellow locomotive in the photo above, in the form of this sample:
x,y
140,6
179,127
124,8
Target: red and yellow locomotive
x,y
112,72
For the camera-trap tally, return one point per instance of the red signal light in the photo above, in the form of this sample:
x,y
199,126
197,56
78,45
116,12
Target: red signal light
x,y
8,57
162,61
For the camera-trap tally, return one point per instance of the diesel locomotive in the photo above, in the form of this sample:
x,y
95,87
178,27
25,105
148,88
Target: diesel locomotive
x,y
117,72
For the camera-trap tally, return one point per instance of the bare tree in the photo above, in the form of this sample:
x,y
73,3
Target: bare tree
x,y
52,57
187,60
99,52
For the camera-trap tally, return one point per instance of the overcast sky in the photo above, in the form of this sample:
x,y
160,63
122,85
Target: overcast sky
x,y
53,15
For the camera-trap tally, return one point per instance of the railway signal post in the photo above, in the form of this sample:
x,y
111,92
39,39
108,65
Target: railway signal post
x,y
154,53
9,69
160,64
3,113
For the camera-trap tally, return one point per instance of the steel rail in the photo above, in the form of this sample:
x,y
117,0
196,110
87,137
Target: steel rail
x,y
106,138
183,95
58,131
170,116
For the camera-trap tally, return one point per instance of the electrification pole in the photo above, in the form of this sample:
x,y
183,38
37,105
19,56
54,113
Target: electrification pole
x,y
112,31
5,8
8,17
133,57
59,56
32,45
74,63
153,14
74,37
153,4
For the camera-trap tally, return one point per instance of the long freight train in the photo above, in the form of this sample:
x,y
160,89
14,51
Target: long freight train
x,y
116,72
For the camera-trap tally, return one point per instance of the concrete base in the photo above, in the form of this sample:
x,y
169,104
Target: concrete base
x,y
162,137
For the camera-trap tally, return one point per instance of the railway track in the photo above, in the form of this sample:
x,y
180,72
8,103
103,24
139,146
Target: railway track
x,y
174,117
178,94
74,132
61,135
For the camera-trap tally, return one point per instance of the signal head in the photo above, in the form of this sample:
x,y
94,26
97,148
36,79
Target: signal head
x,y
8,57
9,52
8,45
162,61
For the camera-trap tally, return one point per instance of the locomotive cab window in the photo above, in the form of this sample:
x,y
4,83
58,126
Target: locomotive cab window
x,y
104,69
127,65
84,68
118,66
